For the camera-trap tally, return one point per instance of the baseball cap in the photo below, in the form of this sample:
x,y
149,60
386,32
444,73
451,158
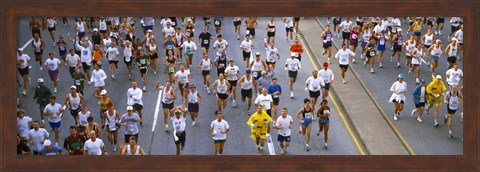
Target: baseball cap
x,y
139,48
73,87
293,54
454,39
47,143
401,76
192,85
399,29
422,80
231,60
439,77
264,72
439,41
40,80
129,108
110,104
248,71
103,92
149,30
20,49
258,53
325,64
95,30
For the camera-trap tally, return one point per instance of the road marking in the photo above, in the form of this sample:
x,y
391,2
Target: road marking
x,y
382,111
354,138
26,44
156,110
271,148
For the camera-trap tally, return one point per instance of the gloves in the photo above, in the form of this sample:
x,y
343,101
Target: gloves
x,y
252,125
175,136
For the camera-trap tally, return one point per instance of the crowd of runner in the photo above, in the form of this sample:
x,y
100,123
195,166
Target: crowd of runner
x,y
114,38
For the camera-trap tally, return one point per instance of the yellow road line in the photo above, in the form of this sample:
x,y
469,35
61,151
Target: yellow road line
x,y
354,138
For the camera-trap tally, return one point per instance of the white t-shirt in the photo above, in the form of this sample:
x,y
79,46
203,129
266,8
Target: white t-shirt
x,y
459,35
189,47
220,45
22,126
271,53
246,46
326,75
232,72
314,84
284,122
149,21
113,53
52,64
73,60
264,101
378,29
37,137
55,109
93,148
454,76
23,61
132,127
346,26
455,21
217,127
164,21
400,88
136,96
98,77
288,22
182,76
293,65
396,22
179,124
168,31
344,56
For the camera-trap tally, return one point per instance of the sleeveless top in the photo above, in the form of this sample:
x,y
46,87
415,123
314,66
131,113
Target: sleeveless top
x,y
97,55
129,151
223,62
82,118
37,45
410,47
436,51
192,97
429,40
206,64
247,83
167,94
366,36
127,53
257,65
62,45
452,52
74,101
80,27
327,36
453,101
112,121
103,25
307,114
381,41
178,39
271,27
222,87
399,39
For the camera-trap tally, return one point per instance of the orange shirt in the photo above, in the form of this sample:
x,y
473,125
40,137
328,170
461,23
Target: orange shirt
x,y
296,48
97,55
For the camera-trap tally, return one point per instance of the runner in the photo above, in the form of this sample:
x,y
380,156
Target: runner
x,y
292,65
434,91
231,73
134,99
38,45
78,79
148,23
344,55
83,120
102,24
132,148
452,51
54,111
53,65
74,142
169,30
112,54
86,55
275,90
92,127
440,22
397,46
114,31
189,28
297,48
246,84
382,39
259,122
250,23
288,21
409,47
62,48
130,120
193,98
416,56
459,36
246,46
23,125
42,95
128,55
417,29
455,22
419,98
183,78
179,125
168,98
327,76
142,66
113,118
36,137
217,21
346,27
296,22
435,53
22,147
35,26
454,75
327,42
94,145
72,61
271,53
152,50
305,121
237,23
257,66
23,66
221,63
98,79
48,149
284,124
270,29
336,22
190,48
51,23
323,115
98,53
205,37
453,99
354,37
366,36
178,39
220,89
370,53
206,66
220,45
314,84
399,91
72,103
218,130
170,63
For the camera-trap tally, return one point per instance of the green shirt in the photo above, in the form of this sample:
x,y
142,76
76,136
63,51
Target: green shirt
x,y
77,82
42,94
142,60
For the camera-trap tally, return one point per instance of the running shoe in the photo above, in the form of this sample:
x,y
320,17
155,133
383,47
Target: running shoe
x,y
450,134
291,94
419,120
371,70
398,64
55,90
114,149
41,68
307,148
282,152
193,124
325,146
380,65
24,93
445,119
435,124
395,117
413,112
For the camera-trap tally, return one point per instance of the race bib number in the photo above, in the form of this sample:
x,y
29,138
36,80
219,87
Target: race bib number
x,y
308,115
292,68
315,87
394,29
62,47
127,59
343,60
178,127
255,74
372,53
217,22
382,41
171,69
52,66
329,38
131,127
83,123
205,41
400,42
222,89
143,61
221,65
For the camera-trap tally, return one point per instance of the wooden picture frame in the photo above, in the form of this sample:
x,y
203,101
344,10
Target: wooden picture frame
x,y
10,10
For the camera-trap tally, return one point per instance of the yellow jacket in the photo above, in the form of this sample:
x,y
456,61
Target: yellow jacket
x,y
259,121
436,88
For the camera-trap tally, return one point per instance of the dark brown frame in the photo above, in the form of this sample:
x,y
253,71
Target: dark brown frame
x,y
11,9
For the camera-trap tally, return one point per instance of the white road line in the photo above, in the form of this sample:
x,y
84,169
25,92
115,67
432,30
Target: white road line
x,y
157,110
271,149
26,44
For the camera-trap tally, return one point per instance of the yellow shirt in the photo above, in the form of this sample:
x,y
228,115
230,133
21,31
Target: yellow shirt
x,y
259,120
436,88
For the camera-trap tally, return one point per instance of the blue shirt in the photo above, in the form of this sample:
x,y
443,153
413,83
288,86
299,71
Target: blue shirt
x,y
217,18
54,151
272,89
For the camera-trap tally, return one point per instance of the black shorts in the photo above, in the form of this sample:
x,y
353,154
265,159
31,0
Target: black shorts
x,y
24,71
314,94
154,56
327,86
219,141
205,72
421,104
233,83
219,71
292,74
34,31
360,24
222,96
276,101
455,28
427,46
85,66
269,112
246,55
252,31
452,59
167,106
440,20
180,86
103,31
137,107
236,23
193,107
450,111
395,101
113,61
336,22
38,54
143,70
246,93
181,138
74,112
408,57
71,70
127,137
128,63
206,46
289,29
429,23
51,29
284,138
397,47
343,66
219,23
270,63
270,34
346,35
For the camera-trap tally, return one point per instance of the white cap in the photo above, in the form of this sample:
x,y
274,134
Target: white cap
x,y
73,87
103,92
399,29
149,30
40,80
20,49
454,39
129,108
95,30
293,54
439,77
47,143
169,22
439,41
258,53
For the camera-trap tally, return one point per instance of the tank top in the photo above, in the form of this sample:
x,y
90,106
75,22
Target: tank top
x,y
453,101
222,63
307,114
178,39
51,23
271,27
354,36
80,27
97,55
127,53
152,48
410,47
61,45
74,101
103,104
222,87
103,25
381,40
82,118
399,39
129,151
452,51
429,40
167,94
436,51
112,120
169,43
366,36
37,45
327,36
192,97
247,83
257,65
206,64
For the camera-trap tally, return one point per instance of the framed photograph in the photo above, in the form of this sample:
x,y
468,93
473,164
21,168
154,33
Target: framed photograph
x,y
287,85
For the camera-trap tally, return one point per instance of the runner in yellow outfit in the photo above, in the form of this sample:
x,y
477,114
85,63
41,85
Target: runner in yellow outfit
x,y
434,95
259,123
